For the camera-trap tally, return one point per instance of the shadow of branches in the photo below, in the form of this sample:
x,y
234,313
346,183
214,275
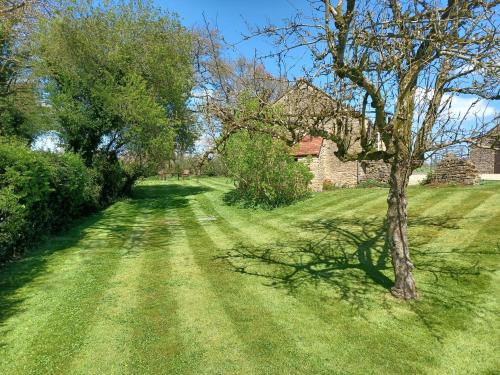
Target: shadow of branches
x,y
350,257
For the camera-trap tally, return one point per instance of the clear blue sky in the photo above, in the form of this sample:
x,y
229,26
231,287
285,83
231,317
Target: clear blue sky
x,y
233,18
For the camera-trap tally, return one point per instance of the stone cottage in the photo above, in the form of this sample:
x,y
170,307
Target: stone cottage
x,y
484,156
318,152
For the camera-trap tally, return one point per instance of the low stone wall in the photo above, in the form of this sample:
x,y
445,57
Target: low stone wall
x,y
375,170
455,170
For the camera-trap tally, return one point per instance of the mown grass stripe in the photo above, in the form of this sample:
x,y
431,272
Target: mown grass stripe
x,y
71,306
155,344
211,342
107,345
277,224
274,335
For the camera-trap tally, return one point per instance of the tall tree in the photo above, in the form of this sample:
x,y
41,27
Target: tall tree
x,y
400,64
21,112
119,76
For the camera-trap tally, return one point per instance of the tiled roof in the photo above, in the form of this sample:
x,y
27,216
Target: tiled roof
x,y
308,146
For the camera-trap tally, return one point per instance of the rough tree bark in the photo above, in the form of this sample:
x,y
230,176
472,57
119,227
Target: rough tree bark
x,y
397,233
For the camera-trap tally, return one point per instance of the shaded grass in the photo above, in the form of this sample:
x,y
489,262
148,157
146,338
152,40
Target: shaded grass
x,y
175,281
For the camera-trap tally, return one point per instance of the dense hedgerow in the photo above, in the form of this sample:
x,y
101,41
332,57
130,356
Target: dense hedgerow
x,y
264,171
41,192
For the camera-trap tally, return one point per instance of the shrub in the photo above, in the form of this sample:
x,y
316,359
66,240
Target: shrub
x,y
264,171
111,177
12,222
74,187
429,178
40,192
371,183
214,167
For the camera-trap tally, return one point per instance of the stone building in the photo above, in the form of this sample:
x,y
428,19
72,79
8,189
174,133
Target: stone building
x,y
319,152
485,158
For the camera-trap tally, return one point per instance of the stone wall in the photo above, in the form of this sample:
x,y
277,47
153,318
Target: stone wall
x,y
313,162
483,159
455,170
341,174
375,170
484,154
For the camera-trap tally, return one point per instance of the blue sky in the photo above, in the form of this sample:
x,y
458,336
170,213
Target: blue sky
x,y
233,19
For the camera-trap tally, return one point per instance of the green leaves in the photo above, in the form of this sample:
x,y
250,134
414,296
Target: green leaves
x,y
40,192
120,76
264,171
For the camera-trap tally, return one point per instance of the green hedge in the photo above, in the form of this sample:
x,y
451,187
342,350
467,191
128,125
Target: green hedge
x,y
39,193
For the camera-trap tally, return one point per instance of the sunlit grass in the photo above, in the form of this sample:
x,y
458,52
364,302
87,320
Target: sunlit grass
x,y
173,281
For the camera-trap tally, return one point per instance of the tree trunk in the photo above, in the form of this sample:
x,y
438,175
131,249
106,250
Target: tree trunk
x,y
397,233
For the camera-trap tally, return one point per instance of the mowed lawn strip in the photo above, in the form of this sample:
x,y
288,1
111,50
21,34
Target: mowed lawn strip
x,y
176,281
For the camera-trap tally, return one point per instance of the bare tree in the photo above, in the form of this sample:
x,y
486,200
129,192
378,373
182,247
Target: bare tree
x,y
223,88
401,65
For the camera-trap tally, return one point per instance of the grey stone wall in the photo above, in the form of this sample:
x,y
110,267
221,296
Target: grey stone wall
x,y
483,159
375,170
455,170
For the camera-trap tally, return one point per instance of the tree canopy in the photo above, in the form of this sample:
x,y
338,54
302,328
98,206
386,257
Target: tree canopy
x,y
21,112
118,77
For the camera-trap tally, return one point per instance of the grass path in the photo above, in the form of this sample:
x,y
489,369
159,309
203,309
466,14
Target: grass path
x,y
173,281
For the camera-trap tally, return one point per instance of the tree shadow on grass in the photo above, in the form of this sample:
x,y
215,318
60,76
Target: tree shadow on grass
x,y
145,199
335,253
350,257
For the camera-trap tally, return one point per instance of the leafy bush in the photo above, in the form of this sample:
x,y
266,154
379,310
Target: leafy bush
x,y
372,183
111,177
429,178
40,192
74,187
264,171
12,222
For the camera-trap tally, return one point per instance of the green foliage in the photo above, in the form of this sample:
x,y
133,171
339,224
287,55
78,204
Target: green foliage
x,y
40,192
428,178
372,183
111,177
214,167
264,171
119,77
21,114
74,187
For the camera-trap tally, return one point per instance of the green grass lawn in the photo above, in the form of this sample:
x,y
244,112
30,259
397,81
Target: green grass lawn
x,y
175,282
